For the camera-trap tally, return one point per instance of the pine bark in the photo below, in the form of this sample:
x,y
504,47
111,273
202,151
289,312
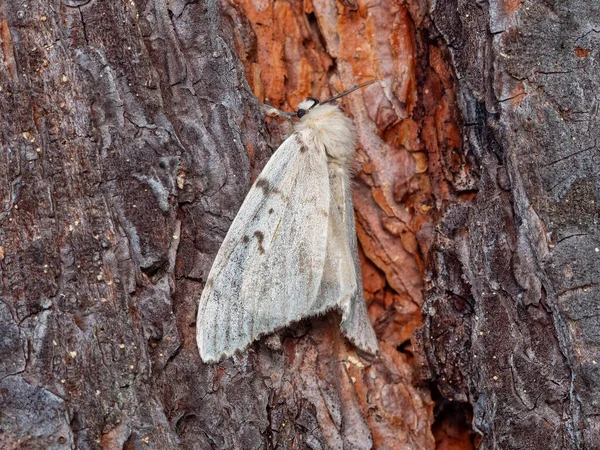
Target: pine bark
x,y
130,133
516,272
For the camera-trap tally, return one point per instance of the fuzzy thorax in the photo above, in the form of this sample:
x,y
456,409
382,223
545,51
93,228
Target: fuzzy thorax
x,y
328,129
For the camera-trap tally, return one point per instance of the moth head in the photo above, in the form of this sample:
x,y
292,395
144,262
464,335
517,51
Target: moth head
x,y
306,106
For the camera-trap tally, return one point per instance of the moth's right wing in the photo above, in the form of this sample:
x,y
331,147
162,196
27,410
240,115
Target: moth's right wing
x,y
268,270
342,281
355,325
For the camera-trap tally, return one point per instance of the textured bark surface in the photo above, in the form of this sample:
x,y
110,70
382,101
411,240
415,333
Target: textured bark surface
x,y
511,319
130,134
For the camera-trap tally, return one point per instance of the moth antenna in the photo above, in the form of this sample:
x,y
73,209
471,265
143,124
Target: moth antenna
x,y
349,91
315,102
268,108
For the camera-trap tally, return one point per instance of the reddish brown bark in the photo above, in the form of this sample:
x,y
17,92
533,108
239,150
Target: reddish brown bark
x,y
130,136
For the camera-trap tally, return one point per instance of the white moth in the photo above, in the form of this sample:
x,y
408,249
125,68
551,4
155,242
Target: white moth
x,y
291,251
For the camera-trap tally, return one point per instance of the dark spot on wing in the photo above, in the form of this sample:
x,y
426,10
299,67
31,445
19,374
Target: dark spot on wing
x,y
245,239
303,148
271,210
304,260
263,184
260,237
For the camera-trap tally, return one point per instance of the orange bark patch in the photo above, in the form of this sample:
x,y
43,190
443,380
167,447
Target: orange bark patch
x,y
582,52
517,94
8,50
288,52
511,6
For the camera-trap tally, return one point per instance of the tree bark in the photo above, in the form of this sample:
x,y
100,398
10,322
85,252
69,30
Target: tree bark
x,y
131,132
515,273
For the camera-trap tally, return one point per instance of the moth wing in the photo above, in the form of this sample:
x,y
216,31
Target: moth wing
x,y
268,270
355,324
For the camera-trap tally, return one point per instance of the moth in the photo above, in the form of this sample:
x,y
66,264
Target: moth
x,y
291,251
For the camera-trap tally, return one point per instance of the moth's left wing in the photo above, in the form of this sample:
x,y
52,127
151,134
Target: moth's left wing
x,y
268,271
